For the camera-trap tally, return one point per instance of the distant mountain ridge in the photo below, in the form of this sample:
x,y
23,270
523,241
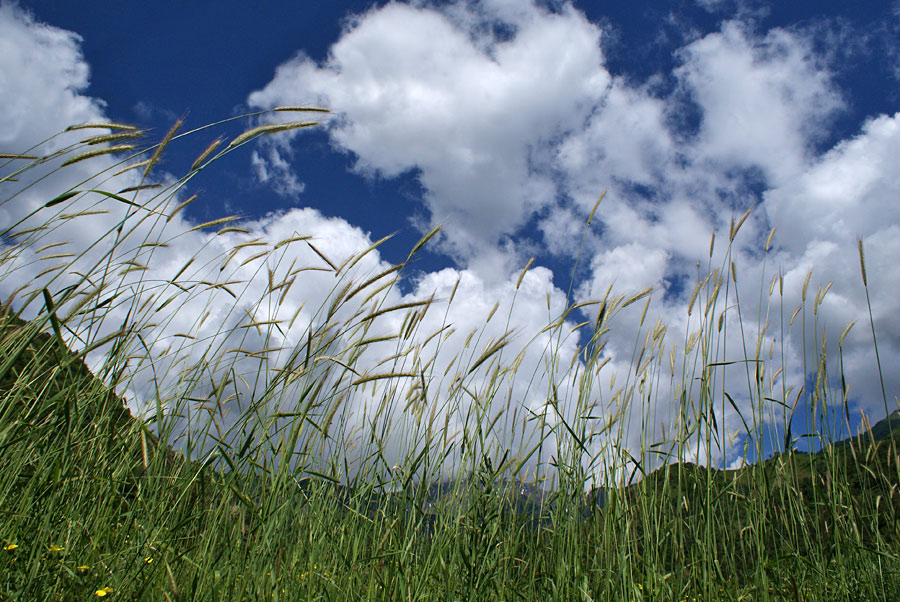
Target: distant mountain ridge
x,y
881,430
539,504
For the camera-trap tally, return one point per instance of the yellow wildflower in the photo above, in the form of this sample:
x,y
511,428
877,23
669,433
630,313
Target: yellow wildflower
x,y
100,593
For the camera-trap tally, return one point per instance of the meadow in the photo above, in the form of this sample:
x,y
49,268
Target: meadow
x,y
253,497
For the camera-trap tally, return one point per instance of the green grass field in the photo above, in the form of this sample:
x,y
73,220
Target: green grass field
x,y
97,504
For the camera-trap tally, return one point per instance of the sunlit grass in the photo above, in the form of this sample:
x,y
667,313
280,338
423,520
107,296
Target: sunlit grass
x,y
240,482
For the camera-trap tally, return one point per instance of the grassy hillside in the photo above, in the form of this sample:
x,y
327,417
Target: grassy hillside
x,y
96,504
90,501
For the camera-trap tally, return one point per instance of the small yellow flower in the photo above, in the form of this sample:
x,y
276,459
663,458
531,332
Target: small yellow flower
x,y
56,548
82,568
10,547
148,560
101,593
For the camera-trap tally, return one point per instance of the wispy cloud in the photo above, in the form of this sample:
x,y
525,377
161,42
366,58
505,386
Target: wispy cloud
x,y
274,170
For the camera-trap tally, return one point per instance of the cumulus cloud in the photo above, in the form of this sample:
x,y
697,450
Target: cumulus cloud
x,y
764,100
262,309
630,268
508,115
44,78
500,132
469,112
849,193
625,139
801,294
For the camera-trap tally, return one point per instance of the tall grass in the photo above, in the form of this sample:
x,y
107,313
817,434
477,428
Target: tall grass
x,y
267,465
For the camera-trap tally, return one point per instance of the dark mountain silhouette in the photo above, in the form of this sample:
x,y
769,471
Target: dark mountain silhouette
x,y
886,428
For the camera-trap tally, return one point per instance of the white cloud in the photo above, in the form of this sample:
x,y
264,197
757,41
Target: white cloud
x,y
763,99
487,120
498,128
850,192
272,169
468,111
43,78
213,330
626,139
630,269
817,215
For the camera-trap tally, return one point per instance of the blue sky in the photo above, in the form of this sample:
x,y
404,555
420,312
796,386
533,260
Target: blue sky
x,y
503,121
152,63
